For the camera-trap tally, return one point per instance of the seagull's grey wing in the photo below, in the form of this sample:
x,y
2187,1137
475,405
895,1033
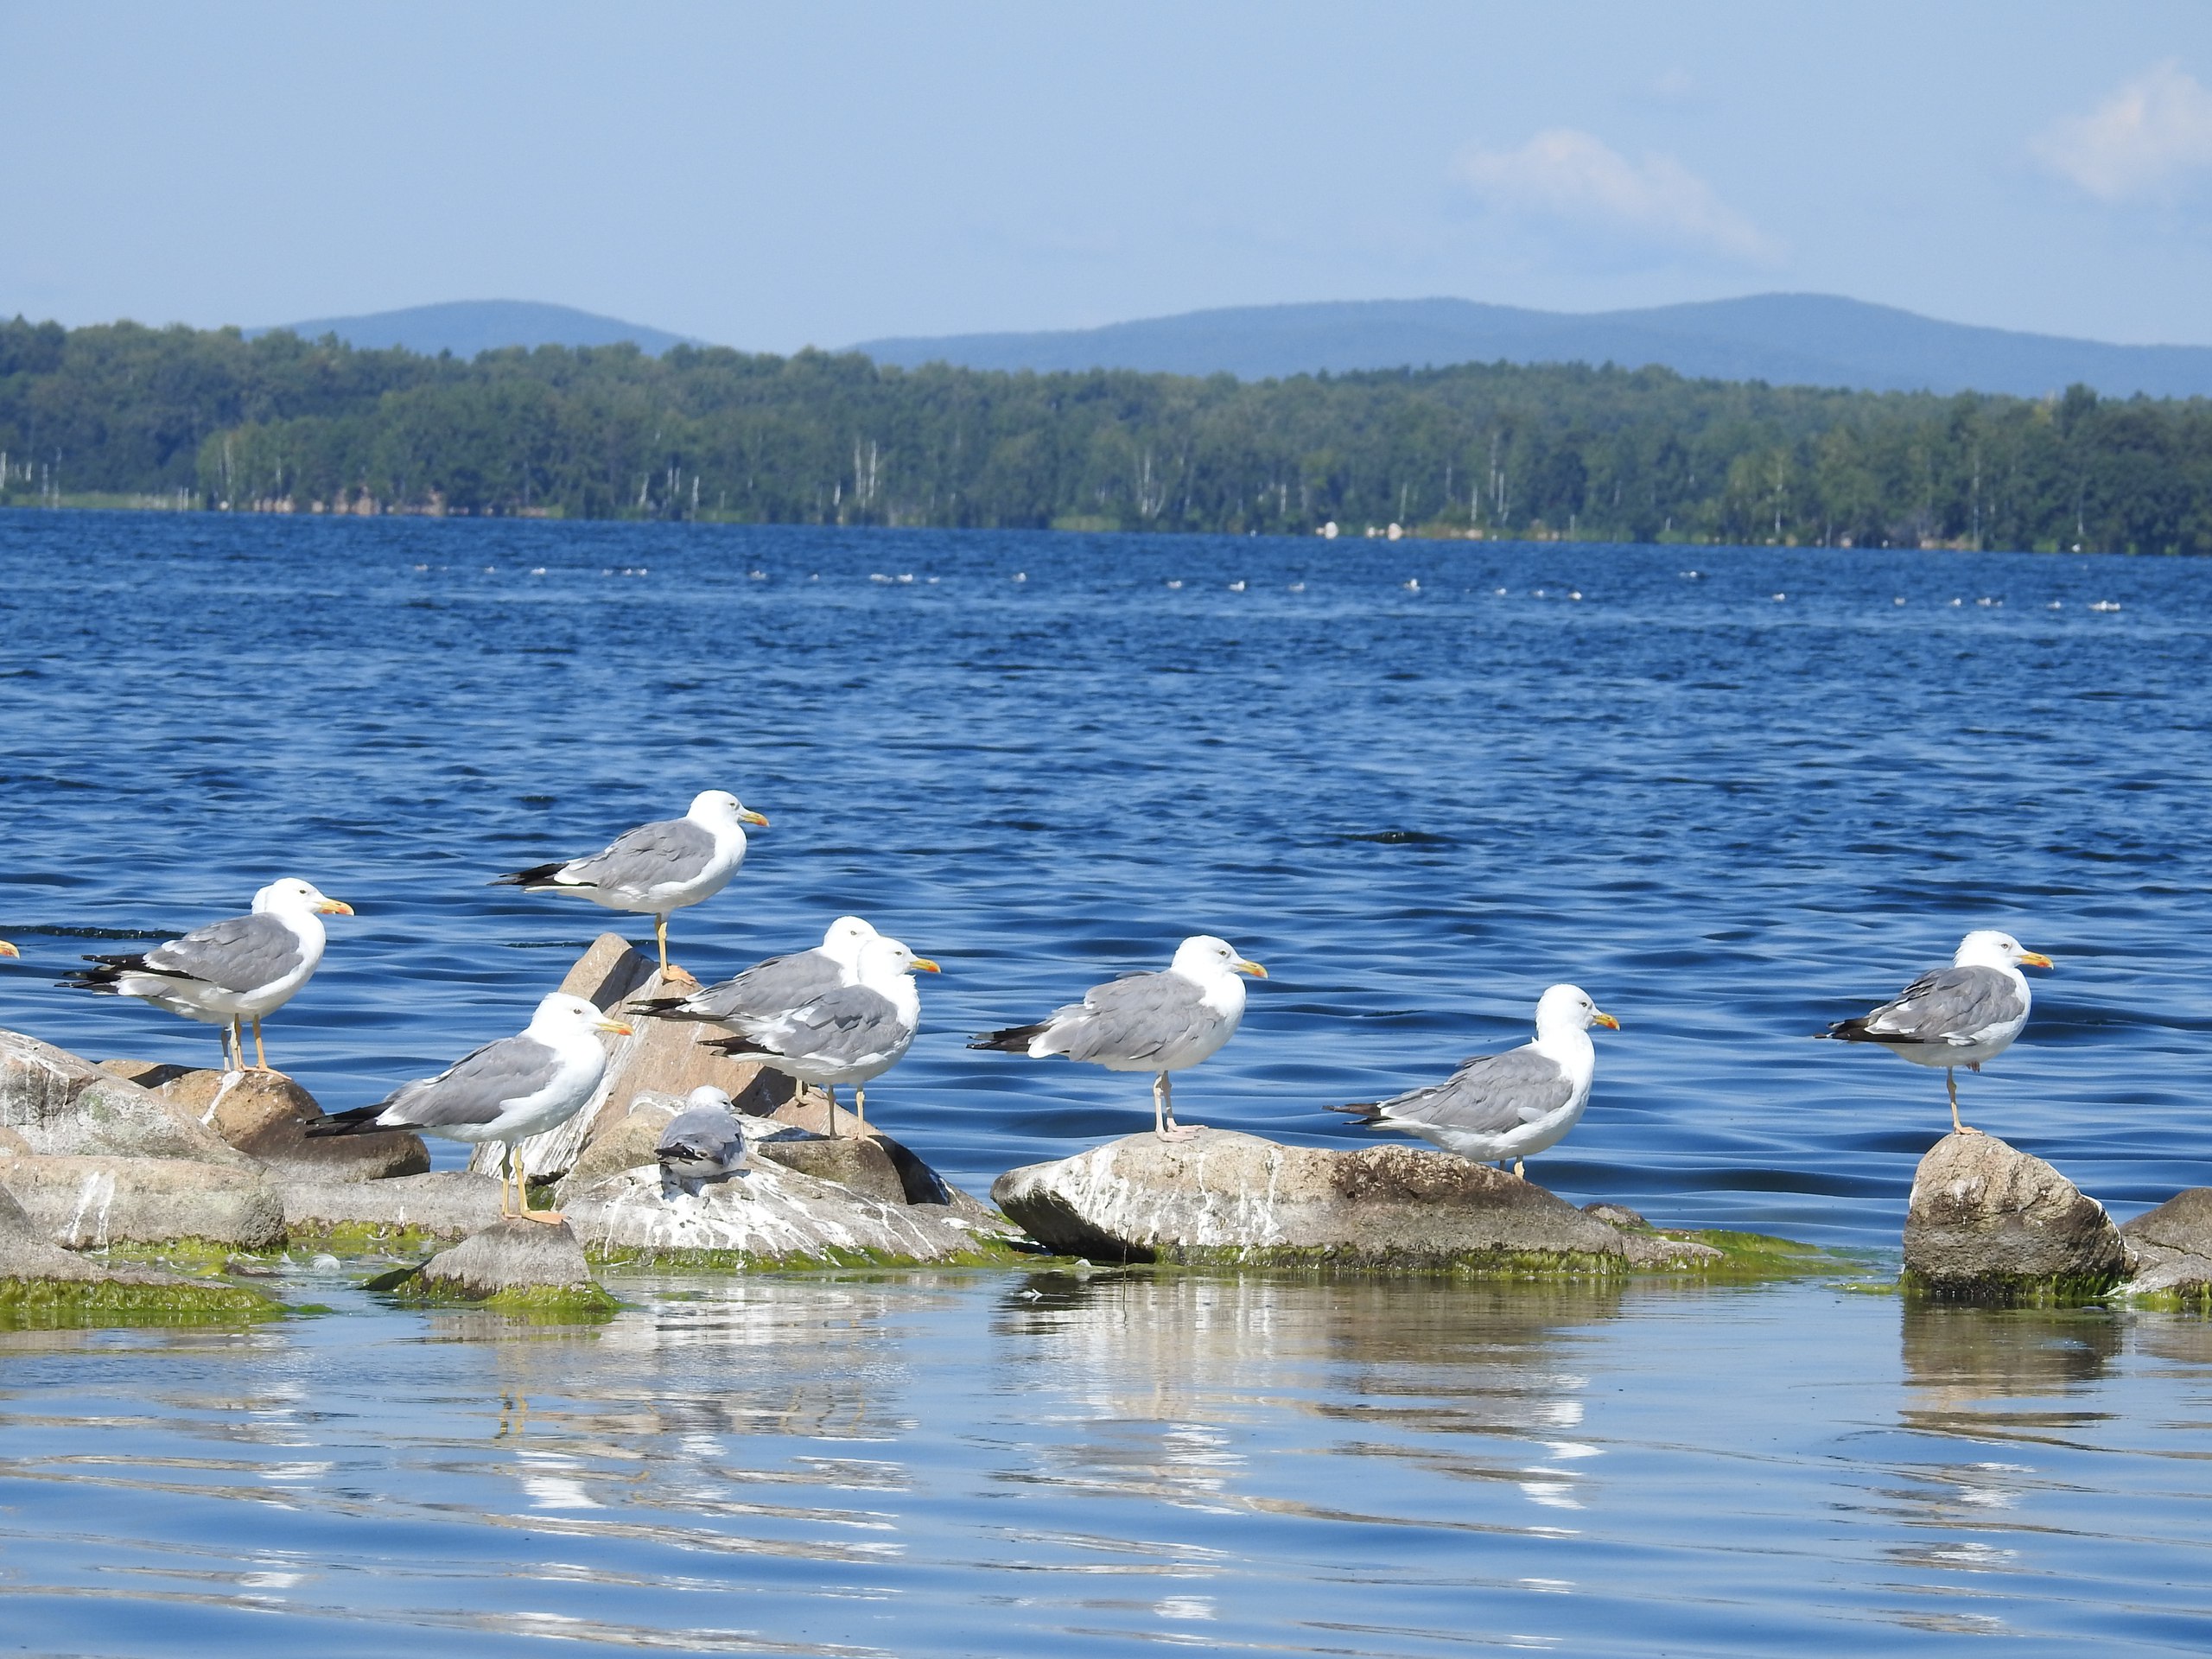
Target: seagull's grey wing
x,y
768,987
1949,1005
705,1131
675,849
1133,1018
477,1089
1487,1095
838,1027
239,955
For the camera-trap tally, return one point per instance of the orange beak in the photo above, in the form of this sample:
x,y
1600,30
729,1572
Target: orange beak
x,y
746,814
8,950
926,966
1246,965
1606,1020
2036,959
615,1026
334,907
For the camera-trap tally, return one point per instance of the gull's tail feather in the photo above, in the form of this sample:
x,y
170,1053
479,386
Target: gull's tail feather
x,y
738,1048
1014,1039
1367,1113
1850,1030
361,1120
107,974
537,876
672,1008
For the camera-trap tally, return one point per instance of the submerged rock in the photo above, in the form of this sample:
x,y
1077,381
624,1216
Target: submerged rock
x,y
532,1265
1221,1196
1988,1220
2172,1247
91,1203
52,1102
773,1215
667,1057
265,1115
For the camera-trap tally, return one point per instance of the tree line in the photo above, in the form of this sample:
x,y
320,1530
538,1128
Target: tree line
x,y
210,418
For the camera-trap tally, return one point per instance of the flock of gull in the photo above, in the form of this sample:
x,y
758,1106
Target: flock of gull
x,y
846,1011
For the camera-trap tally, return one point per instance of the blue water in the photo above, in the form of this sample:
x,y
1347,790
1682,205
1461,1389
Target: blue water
x,y
1732,816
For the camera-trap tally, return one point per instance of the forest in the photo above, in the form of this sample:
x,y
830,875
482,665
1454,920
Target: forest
x,y
121,414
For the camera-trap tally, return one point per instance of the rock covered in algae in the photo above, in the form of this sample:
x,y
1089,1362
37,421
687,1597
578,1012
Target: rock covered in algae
x,y
1223,1196
1988,1220
44,1283
265,1115
524,1266
52,1102
89,1203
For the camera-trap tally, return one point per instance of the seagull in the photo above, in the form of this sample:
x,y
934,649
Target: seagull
x,y
505,1091
776,985
703,1142
1511,1105
242,969
1158,1023
656,869
1963,1015
848,1034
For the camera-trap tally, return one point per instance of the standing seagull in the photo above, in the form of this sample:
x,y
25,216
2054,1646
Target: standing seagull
x,y
776,985
849,1033
1960,1015
241,969
1158,1023
656,869
505,1091
1510,1105
703,1142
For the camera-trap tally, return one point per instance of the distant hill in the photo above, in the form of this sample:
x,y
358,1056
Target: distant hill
x,y
1813,340
467,327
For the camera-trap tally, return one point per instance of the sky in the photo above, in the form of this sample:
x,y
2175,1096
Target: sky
x,y
819,174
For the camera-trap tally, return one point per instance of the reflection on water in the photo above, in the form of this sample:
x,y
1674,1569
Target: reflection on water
x,y
957,1464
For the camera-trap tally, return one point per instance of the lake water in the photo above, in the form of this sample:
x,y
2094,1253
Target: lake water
x,y
1733,805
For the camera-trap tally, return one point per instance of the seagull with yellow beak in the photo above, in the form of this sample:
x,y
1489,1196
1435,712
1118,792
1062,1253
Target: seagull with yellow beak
x,y
1161,1023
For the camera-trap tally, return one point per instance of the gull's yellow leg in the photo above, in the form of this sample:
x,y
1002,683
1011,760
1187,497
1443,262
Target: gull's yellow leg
x,y
260,1054
829,1116
860,1109
1951,1083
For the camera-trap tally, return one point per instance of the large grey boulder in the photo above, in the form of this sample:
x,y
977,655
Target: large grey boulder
x,y
2172,1246
52,1102
771,1215
663,1056
1224,1198
1988,1220
448,1203
91,1203
37,1274
265,1114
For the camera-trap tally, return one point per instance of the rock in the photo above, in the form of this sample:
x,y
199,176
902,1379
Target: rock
x,y
508,1257
1988,1220
773,1215
860,1164
1651,1250
91,1203
1615,1214
56,1104
1221,1196
627,1143
2172,1247
665,1055
450,1203
265,1115
40,1281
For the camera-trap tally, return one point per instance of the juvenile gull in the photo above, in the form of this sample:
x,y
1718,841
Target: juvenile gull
x,y
703,1142
1159,1023
775,986
505,1091
848,1034
656,869
1511,1105
242,969
1963,1015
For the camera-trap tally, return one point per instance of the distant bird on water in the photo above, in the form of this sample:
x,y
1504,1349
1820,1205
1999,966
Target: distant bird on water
x,y
1963,1015
657,869
1510,1105
244,968
1161,1023
505,1091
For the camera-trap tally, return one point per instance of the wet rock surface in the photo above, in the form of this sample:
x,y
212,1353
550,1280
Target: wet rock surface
x,y
1986,1219
1229,1198
89,1203
53,1101
2170,1247
530,1259
447,1203
265,1115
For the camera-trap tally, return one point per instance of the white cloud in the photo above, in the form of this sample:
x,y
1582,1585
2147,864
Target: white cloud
x,y
2152,131
1565,174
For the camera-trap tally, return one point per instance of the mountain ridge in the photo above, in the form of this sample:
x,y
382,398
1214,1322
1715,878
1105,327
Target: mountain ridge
x,y
467,327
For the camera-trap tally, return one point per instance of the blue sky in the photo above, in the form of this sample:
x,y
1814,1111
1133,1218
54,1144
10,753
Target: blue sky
x,y
771,177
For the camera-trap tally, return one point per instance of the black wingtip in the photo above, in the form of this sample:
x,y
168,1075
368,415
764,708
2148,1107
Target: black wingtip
x,y
1366,1112
360,1120
536,875
1014,1039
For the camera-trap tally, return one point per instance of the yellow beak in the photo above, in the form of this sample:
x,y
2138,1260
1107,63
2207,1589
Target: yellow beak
x,y
2036,959
8,950
745,814
334,907
926,966
615,1026
1245,966
1606,1020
